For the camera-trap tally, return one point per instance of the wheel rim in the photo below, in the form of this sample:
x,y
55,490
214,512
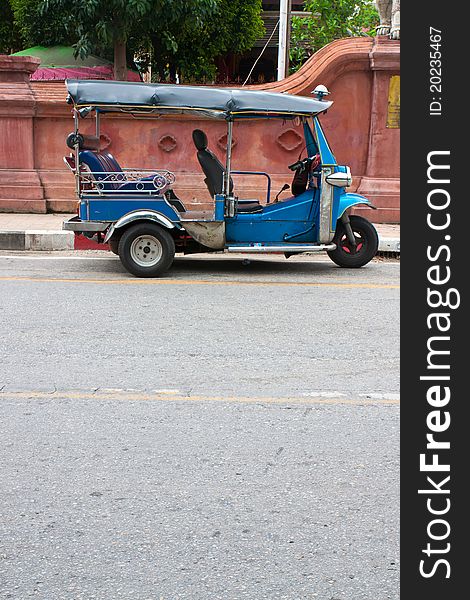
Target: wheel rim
x,y
146,250
347,247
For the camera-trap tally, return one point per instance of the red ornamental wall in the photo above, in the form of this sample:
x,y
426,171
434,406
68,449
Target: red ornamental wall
x,y
35,120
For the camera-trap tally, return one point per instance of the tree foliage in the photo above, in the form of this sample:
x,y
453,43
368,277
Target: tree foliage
x,y
38,28
331,20
102,22
191,47
174,36
10,38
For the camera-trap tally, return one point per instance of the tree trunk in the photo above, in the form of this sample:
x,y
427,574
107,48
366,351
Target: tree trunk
x,y
172,70
120,64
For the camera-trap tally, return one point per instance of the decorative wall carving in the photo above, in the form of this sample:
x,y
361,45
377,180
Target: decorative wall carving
x,y
289,140
222,142
389,11
167,143
105,141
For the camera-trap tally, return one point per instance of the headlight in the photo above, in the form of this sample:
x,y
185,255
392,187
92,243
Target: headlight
x,y
340,179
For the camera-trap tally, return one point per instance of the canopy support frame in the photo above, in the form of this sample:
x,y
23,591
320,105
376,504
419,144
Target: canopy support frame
x,y
228,163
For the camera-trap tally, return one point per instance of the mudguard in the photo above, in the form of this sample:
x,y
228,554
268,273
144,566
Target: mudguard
x,y
139,215
347,200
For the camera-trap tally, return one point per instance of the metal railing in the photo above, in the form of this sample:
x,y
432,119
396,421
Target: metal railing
x,y
263,174
125,182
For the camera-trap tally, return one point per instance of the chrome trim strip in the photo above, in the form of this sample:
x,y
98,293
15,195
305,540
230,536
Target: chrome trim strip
x,y
326,204
84,226
292,248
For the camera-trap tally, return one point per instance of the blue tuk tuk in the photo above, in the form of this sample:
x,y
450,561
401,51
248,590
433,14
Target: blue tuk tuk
x,y
140,216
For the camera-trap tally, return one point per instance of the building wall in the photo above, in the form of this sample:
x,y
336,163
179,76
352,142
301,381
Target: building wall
x,y
35,121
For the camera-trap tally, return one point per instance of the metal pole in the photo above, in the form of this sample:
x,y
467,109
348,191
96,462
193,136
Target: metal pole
x,y
229,159
288,36
281,55
77,154
97,123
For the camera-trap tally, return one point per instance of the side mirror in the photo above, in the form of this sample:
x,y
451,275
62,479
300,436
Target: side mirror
x,y
285,187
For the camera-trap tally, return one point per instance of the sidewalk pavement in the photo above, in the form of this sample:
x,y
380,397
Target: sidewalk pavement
x,y
44,232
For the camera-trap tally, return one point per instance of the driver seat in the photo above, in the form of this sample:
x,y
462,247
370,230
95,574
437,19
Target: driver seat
x,y
215,171
211,165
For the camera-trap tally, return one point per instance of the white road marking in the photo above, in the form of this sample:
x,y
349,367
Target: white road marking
x,y
110,257
323,394
380,396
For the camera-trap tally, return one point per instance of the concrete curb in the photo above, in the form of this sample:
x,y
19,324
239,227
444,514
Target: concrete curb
x,y
387,244
37,239
50,240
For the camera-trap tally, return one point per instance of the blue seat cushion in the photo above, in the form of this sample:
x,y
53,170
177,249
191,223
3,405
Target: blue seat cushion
x,y
103,165
103,162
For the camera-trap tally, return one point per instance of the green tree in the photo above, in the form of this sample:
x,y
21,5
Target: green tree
x,y
10,38
38,28
330,20
113,23
191,47
183,36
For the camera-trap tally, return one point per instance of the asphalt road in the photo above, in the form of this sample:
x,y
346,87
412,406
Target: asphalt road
x,y
229,431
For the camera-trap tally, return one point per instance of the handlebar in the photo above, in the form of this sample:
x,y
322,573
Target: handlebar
x,y
302,165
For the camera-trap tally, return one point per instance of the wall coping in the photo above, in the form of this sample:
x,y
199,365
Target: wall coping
x,y
28,64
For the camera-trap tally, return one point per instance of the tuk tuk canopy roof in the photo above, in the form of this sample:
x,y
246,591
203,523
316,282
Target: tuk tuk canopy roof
x,y
222,103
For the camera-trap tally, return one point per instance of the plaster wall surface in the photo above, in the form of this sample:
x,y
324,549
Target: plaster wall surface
x,y
35,121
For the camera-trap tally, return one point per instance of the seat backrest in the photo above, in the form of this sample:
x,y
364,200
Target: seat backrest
x,y
103,162
211,165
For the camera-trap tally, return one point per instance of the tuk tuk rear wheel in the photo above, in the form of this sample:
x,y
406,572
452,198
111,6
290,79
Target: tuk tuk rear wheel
x,y
114,245
367,243
146,250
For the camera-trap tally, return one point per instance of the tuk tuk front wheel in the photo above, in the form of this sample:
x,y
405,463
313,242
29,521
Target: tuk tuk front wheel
x,y
359,254
146,250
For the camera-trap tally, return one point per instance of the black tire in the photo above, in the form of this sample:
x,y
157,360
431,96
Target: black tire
x,y
146,250
114,245
367,244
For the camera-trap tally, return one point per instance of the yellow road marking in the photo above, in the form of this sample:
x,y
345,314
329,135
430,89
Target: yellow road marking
x,y
174,397
137,281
